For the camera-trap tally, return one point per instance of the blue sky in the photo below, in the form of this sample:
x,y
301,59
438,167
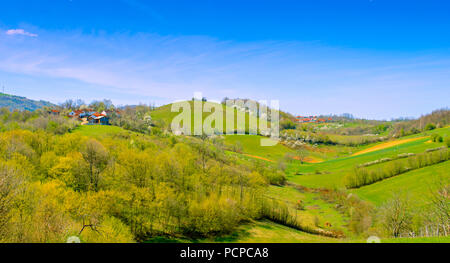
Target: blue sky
x,y
372,58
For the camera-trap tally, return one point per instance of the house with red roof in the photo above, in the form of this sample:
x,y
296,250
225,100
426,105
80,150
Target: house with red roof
x,y
98,118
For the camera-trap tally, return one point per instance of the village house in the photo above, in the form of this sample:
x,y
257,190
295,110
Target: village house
x,y
312,119
90,117
54,112
99,118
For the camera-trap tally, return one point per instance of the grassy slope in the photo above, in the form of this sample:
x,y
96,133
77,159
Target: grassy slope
x,y
164,115
336,169
416,183
314,207
98,130
269,232
418,240
251,144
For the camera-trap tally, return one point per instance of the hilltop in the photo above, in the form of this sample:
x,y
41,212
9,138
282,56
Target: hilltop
x,y
21,103
163,116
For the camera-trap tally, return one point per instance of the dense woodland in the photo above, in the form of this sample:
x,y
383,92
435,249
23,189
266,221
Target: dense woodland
x,y
121,188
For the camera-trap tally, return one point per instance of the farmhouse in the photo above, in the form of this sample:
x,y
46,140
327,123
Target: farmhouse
x,y
312,119
54,112
98,118
90,117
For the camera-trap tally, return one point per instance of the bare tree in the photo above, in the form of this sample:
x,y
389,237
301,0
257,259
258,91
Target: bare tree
x,y
69,104
97,157
301,153
440,199
396,215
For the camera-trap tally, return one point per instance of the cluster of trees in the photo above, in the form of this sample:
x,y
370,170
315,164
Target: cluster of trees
x,y
39,120
330,139
437,138
400,217
362,175
134,118
138,119
361,214
121,188
96,105
361,127
436,119
279,212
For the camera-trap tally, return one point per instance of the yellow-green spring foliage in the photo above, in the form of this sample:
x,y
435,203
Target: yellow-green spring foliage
x,y
121,188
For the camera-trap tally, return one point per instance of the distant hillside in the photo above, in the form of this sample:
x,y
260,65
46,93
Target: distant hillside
x,y
163,117
21,103
436,119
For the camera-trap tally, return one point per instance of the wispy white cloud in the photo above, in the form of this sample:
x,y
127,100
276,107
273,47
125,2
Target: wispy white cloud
x,y
20,32
305,77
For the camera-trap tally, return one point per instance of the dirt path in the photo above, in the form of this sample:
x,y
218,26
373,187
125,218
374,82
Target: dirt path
x,y
84,121
309,159
386,145
258,157
306,160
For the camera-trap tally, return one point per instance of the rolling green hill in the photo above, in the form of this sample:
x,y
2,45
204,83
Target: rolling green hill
x,y
251,145
417,184
330,173
163,117
21,103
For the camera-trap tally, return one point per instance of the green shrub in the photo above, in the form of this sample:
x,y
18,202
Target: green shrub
x,y
430,126
436,138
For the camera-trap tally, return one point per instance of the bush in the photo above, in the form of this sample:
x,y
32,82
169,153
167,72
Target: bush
x,y
447,141
430,126
396,216
436,138
287,125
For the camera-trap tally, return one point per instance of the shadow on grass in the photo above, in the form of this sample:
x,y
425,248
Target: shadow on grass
x,y
239,234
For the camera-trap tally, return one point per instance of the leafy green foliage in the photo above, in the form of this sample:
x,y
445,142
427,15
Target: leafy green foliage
x,y
120,186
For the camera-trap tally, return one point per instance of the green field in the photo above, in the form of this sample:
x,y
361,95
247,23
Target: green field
x,y
315,208
330,173
417,240
251,144
417,184
268,232
164,115
98,130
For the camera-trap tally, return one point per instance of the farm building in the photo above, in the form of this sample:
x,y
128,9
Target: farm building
x,y
311,119
54,112
91,117
98,118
